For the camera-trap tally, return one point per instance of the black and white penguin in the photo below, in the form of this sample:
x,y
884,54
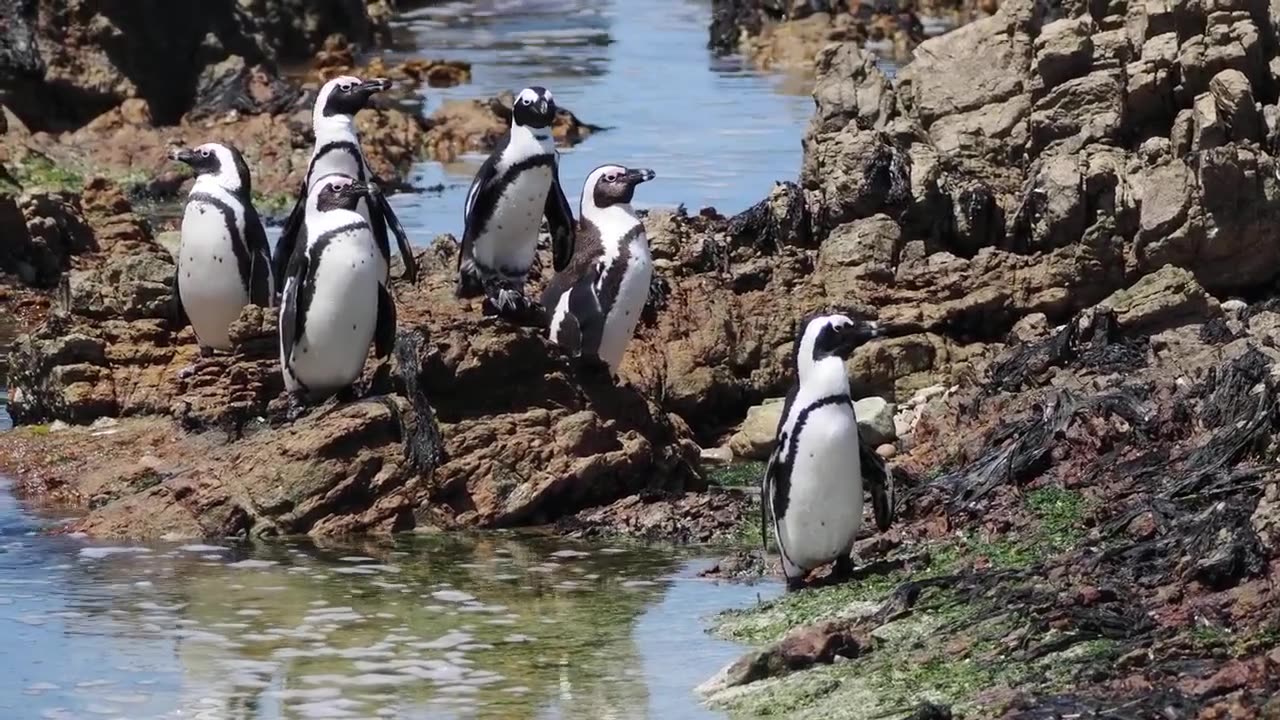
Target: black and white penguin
x,y
596,301
518,184
335,303
814,482
337,150
224,262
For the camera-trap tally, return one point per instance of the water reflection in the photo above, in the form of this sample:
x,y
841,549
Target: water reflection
x,y
443,626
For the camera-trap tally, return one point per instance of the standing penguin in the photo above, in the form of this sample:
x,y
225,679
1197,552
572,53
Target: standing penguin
x,y
514,189
596,301
223,261
335,303
337,150
813,485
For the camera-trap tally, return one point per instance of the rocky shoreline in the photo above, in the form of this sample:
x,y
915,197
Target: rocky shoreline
x,y
1071,222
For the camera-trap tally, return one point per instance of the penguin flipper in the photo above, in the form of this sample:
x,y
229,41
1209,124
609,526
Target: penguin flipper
x,y
289,236
262,275
179,312
879,482
468,284
292,317
584,306
559,222
384,335
402,238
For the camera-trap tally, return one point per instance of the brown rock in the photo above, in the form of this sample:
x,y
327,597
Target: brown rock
x,y
803,647
1164,299
664,517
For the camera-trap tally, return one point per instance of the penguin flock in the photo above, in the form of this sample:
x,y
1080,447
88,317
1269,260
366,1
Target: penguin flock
x,y
329,276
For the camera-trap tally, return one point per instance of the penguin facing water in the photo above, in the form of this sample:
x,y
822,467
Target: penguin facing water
x,y
518,184
814,482
223,260
335,303
337,150
596,301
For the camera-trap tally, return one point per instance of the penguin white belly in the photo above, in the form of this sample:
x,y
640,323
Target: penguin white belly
x,y
510,238
209,282
341,318
824,508
620,324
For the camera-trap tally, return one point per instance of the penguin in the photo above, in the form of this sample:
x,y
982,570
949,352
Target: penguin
x,y
596,301
337,150
224,262
335,302
813,485
518,185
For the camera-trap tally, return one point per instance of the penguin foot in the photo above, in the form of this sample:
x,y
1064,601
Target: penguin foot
x,y
206,351
297,407
843,568
187,372
795,583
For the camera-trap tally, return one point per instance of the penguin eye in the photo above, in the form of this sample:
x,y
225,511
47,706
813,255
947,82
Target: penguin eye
x,y
346,87
526,101
611,177
204,153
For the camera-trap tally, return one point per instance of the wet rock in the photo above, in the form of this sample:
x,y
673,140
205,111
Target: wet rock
x,y
853,175
1164,299
801,648
665,517
755,437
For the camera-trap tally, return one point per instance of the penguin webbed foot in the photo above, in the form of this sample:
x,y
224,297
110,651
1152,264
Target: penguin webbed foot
x,y
795,583
297,407
512,306
206,351
187,372
842,570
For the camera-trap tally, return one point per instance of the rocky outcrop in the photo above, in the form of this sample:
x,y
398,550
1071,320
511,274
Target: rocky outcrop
x,y
789,33
73,60
474,423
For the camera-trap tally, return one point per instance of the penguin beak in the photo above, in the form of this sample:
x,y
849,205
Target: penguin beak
x,y
182,155
362,189
376,85
635,176
856,334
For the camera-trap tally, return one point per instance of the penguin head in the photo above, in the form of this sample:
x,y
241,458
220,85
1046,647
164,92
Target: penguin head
x,y
612,185
832,336
534,107
223,163
340,192
346,95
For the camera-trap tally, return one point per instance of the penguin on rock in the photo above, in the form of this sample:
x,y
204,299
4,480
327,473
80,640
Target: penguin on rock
x,y
595,302
337,150
813,485
518,185
224,262
335,302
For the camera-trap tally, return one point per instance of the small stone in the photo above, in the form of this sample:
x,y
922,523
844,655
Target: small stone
x,y
722,455
875,420
887,451
755,437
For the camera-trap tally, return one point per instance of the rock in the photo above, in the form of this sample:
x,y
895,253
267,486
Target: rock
x,y
722,455
887,451
1164,299
1080,111
1266,519
1233,98
803,647
875,420
1064,50
864,250
853,175
71,68
42,231
233,86
755,437
664,517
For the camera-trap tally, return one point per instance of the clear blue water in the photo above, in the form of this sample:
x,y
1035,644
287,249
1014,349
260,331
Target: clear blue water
x,y
494,626
715,132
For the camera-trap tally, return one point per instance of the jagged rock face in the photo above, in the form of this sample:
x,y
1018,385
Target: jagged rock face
x,y
74,59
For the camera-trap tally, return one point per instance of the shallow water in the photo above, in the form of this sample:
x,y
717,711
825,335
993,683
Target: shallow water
x,y
716,133
491,626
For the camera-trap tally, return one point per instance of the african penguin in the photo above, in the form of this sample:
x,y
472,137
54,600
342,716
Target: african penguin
x,y
224,262
335,303
813,484
337,150
518,184
596,301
